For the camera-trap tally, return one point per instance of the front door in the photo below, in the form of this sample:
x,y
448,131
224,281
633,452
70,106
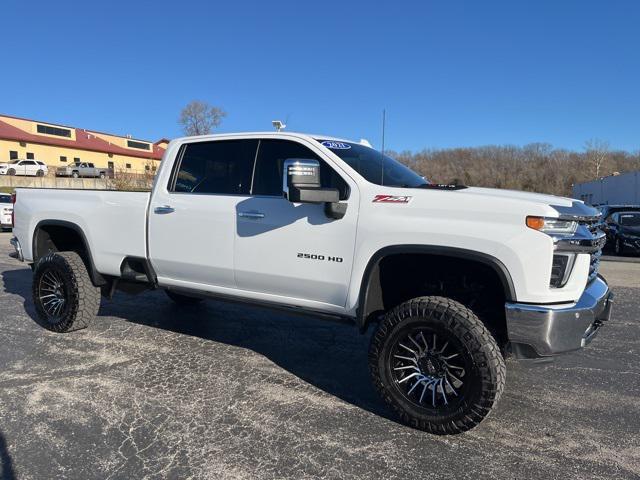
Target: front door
x,y
192,219
294,250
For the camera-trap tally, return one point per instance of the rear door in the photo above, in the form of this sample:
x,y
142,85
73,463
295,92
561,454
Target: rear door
x,y
27,167
294,250
192,217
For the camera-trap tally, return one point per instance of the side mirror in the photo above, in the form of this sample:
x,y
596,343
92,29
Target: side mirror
x,y
301,182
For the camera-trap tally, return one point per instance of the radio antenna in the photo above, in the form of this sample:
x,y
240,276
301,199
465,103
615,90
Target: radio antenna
x,y
384,118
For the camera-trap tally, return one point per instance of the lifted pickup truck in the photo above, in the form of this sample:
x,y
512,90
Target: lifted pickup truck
x,y
454,278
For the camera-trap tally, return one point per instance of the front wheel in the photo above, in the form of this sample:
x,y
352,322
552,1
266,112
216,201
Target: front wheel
x,y
11,172
63,294
618,247
436,364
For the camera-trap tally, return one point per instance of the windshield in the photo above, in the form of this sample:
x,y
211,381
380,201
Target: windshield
x,y
630,219
5,198
374,166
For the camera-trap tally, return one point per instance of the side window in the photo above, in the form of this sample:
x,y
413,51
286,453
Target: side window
x,y
267,178
219,167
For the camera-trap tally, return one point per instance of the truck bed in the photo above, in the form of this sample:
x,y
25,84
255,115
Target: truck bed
x,y
113,222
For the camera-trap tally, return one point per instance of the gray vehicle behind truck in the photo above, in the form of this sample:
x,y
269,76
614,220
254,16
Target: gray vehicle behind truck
x,y
84,170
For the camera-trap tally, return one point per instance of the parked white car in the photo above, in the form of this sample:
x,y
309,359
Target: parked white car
x,y
6,209
33,168
452,278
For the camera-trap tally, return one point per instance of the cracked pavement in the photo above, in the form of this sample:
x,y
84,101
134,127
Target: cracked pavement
x,y
152,390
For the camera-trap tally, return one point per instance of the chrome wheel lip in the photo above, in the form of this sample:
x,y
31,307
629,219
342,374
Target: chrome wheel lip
x,y
52,295
442,385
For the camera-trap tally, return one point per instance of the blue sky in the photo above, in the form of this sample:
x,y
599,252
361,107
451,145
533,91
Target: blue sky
x,y
449,73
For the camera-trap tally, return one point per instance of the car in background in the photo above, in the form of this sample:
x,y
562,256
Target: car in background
x,y
607,213
6,211
33,168
623,231
83,170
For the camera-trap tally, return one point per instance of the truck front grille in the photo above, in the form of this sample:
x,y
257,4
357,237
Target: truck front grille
x,y
594,266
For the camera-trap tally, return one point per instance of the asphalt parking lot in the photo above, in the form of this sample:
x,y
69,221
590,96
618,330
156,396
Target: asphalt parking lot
x,y
224,391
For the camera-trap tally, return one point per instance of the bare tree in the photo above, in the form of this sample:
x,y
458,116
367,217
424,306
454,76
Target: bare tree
x,y
200,118
597,153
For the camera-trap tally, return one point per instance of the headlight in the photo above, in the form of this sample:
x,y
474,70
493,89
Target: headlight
x,y
552,226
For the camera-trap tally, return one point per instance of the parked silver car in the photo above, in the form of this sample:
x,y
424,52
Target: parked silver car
x,y
84,170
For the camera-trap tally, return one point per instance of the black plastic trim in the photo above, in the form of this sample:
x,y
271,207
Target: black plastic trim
x,y
483,258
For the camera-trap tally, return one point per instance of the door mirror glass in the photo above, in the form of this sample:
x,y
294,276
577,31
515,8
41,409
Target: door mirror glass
x,y
302,184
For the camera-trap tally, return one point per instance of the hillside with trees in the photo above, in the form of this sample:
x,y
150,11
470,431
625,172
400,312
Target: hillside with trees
x,y
536,167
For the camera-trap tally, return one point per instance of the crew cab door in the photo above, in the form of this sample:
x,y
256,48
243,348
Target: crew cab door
x,y
192,216
294,250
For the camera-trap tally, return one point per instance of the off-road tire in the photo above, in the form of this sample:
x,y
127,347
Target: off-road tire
x,y
487,367
181,299
82,298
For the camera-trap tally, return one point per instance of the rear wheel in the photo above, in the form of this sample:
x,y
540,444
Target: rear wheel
x,y
181,299
40,173
75,174
63,294
437,365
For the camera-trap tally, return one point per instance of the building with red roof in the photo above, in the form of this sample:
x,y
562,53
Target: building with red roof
x,y
59,145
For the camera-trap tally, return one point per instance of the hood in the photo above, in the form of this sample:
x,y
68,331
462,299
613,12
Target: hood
x,y
482,200
523,196
4,165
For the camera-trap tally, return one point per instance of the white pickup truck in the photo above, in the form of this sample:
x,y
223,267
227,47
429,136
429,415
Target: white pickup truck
x,y
454,278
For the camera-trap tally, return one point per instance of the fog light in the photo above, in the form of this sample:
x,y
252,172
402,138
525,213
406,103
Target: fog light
x,y
561,269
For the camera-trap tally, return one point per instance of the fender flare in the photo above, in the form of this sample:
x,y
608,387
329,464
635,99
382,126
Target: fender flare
x,y
372,270
96,277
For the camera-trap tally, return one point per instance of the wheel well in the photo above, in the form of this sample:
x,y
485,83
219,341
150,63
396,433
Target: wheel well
x,y
398,277
64,237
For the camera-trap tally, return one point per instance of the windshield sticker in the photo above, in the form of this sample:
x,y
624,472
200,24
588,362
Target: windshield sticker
x,y
391,199
336,145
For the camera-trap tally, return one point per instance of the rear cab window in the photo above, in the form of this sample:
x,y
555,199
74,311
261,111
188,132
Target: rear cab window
x,y
219,167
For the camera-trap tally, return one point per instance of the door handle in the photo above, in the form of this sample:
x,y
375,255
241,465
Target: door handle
x,y
163,210
254,215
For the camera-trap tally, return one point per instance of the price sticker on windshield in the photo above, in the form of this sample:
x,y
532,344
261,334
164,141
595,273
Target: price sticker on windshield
x,y
336,145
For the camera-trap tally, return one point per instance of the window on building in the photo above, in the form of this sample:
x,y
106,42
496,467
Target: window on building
x,y
76,159
13,155
146,167
63,159
154,168
128,165
222,167
30,156
60,132
139,145
110,165
267,179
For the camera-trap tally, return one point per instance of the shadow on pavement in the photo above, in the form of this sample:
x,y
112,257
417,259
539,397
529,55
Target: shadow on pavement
x,y
331,356
6,462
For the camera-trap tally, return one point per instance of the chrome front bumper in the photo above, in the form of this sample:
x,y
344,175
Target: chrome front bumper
x,y
16,245
537,331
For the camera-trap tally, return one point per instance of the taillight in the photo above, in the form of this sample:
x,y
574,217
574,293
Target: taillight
x,y
14,197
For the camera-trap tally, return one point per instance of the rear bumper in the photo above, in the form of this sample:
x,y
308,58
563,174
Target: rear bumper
x,y
538,331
